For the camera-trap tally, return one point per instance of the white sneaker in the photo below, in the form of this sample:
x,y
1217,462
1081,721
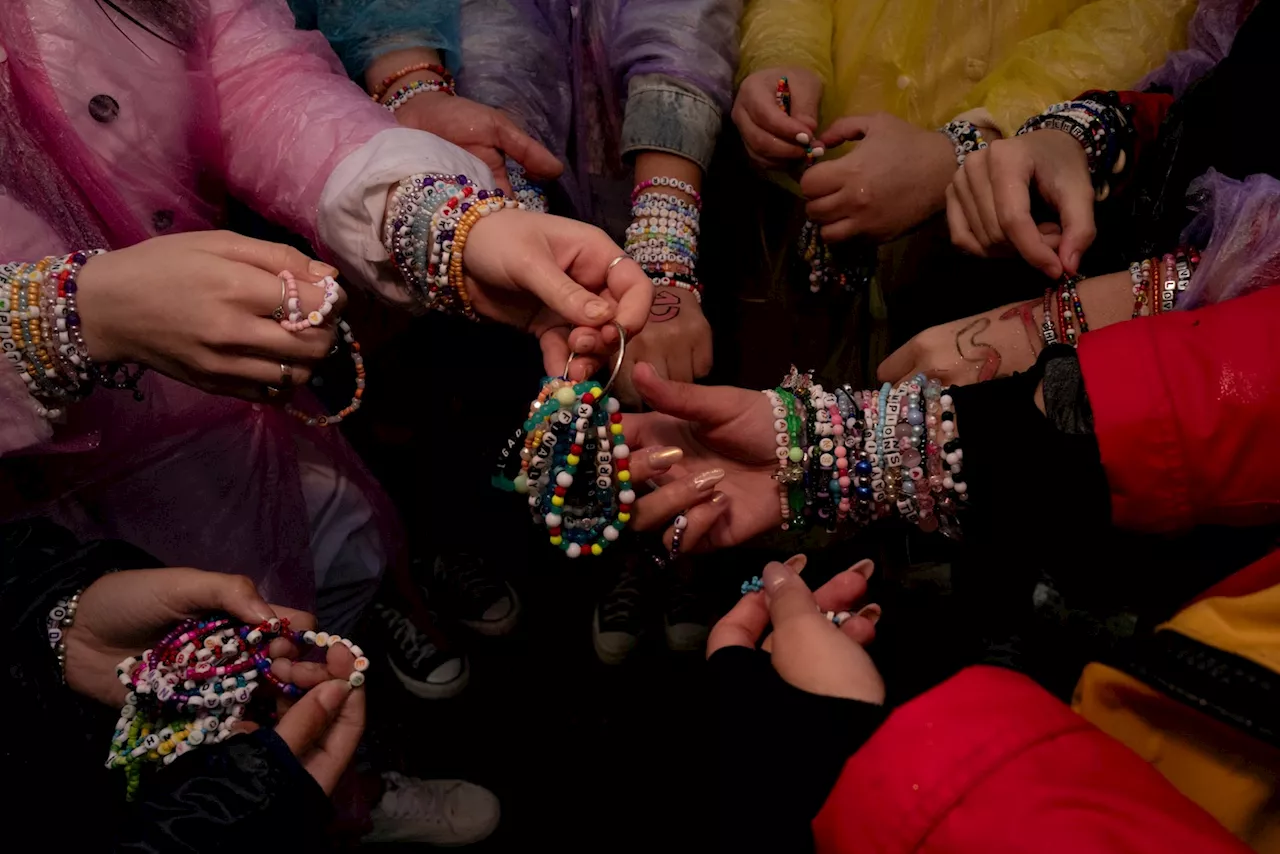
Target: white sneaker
x,y
444,813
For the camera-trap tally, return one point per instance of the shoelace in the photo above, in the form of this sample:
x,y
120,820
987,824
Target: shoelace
x,y
622,600
415,646
467,574
406,798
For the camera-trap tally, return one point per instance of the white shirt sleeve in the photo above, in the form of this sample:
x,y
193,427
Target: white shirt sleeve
x,y
354,202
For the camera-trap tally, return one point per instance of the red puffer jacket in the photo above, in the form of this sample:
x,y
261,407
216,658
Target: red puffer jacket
x,y
989,762
1185,406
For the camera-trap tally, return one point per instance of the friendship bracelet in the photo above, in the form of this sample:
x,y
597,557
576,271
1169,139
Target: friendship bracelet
x,y
415,88
670,183
446,79
60,619
965,137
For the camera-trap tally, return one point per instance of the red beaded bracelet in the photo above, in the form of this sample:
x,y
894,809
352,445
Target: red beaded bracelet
x,y
431,67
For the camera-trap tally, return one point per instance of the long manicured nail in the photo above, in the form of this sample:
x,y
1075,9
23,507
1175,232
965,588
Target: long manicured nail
x,y
706,480
596,309
802,138
864,568
871,612
718,498
319,269
797,563
775,575
665,458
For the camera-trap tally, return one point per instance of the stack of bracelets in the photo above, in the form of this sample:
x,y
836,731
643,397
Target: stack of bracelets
x,y
663,235
527,193
569,423
852,457
1102,126
197,683
425,231
401,96
1159,282
41,336
965,136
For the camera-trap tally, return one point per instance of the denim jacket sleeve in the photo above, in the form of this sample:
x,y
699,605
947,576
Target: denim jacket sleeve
x,y
360,31
677,58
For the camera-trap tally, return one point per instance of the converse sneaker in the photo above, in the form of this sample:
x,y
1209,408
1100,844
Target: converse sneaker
x,y
684,614
473,596
618,621
426,670
444,813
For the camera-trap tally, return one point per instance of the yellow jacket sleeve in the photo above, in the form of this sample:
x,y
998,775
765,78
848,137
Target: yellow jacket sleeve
x,y
787,32
1108,44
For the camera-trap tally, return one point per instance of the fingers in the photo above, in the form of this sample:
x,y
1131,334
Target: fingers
x,y
310,717
191,592
975,167
824,179
266,256
837,232
964,193
1011,174
846,129
554,344
776,134
713,404
539,163
628,283
789,598
845,588
673,498
647,463
266,338
741,626
1075,212
248,377
699,521
961,235
543,278
703,357
805,104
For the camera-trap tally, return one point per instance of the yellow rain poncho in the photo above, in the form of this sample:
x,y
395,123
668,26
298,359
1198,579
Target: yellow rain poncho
x,y
928,61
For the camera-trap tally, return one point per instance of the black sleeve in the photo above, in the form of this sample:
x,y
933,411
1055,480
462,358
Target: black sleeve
x,y
780,752
248,787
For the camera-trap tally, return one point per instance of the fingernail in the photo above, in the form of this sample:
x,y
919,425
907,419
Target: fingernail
x,y
707,479
802,138
596,309
665,458
319,269
841,618
719,498
818,151
588,342
871,613
775,575
797,563
864,568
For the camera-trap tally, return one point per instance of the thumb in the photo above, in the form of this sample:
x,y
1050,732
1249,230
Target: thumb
x,y
309,719
789,598
805,105
542,277
193,592
709,404
1075,212
539,163
847,129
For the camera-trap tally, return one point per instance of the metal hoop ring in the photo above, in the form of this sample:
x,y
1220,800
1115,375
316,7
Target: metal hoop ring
x,y
286,375
617,359
278,314
615,262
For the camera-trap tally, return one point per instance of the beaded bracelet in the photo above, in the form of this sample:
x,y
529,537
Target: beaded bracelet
x,y
965,136
446,79
296,321
1159,282
527,193
61,618
663,240
197,683
671,183
413,89
1102,126
566,424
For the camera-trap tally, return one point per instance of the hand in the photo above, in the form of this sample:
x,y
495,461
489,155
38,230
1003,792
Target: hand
x,y
808,650
676,341
719,429
773,139
324,726
123,613
989,201
196,307
484,132
544,273
894,179
1001,342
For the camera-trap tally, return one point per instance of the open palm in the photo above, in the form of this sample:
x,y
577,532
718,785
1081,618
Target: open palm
x,y
716,427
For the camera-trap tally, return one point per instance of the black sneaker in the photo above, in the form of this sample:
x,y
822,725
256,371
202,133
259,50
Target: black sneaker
x,y
619,621
684,613
425,670
470,594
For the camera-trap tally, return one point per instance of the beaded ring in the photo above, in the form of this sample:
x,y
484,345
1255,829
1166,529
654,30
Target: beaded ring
x,y
297,322
567,424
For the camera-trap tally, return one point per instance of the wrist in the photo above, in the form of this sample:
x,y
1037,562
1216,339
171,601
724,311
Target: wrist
x,y
395,70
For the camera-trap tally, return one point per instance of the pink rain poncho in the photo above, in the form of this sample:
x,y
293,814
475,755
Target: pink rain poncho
x,y
109,135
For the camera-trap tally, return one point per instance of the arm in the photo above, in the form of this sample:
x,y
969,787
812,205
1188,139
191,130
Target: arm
x,y
1108,44
345,152
948,769
781,33
361,32
1179,403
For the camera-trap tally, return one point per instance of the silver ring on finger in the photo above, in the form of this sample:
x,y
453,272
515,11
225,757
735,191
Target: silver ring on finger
x,y
278,314
286,375
272,392
615,262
